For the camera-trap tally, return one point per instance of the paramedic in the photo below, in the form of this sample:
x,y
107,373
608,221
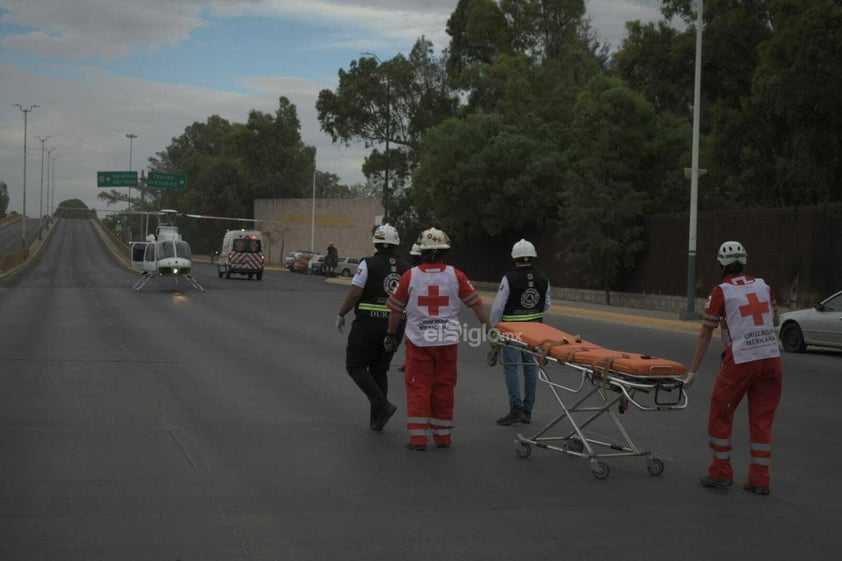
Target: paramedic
x,y
431,294
745,310
366,361
523,295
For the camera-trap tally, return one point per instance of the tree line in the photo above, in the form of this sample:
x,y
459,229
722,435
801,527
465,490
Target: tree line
x,y
527,122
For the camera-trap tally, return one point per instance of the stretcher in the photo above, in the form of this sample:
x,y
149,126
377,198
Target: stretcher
x,y
596,379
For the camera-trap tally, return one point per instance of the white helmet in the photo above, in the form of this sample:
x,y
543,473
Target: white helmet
x,y
522,249
433,238
731,252
387,234
416,249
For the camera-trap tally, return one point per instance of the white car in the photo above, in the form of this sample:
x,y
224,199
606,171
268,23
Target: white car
x,y
821,326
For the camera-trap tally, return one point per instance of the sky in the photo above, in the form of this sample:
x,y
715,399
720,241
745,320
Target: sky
x,y
99,70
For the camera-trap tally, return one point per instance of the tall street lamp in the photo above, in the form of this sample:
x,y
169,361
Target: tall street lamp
x,y
23,222
41,206
388,135
53,179
690,313
131,137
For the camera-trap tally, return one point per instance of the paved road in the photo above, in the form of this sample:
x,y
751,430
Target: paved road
x,y
171,424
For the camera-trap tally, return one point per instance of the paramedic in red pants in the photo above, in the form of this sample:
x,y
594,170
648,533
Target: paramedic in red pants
x,y
431,294
745,310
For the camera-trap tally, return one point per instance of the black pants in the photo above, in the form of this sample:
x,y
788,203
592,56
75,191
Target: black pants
x,y
367,362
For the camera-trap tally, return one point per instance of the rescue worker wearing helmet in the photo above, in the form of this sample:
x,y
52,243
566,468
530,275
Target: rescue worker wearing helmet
x,y
431,294
523,295
744,308
366,361
415,254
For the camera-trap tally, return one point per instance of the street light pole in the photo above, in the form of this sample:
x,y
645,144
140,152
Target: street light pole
x,y
131,136
694,174
23,209
41,206
49,172
53,179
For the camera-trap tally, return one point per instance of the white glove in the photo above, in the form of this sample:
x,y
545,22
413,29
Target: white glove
x,y
690,379
340,323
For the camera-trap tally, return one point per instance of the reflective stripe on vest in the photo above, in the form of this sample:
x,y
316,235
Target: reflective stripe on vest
x,y
369,307
524,317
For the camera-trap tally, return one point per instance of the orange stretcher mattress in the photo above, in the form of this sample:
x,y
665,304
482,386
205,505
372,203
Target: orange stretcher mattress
x,y
565,347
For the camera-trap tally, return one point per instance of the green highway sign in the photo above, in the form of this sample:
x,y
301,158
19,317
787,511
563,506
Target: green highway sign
x,y
116,179
166,180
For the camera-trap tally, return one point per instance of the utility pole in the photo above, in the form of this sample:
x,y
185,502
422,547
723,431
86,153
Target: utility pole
x,y
53,179
41,206
131,137
23,209
690,313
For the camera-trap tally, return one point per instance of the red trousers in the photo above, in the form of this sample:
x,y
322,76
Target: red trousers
x,y
430,378
760,380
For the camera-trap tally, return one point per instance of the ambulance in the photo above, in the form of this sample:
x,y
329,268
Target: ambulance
x,y
242,254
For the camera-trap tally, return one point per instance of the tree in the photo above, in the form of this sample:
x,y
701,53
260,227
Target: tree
x,y
504,176
602,202
791,152
388,105
4,198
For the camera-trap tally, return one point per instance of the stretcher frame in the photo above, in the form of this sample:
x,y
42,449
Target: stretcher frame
x,y
598,389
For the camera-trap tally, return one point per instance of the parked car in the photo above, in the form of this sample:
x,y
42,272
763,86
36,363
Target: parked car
x,y
316,265
293,260
820,325
347,266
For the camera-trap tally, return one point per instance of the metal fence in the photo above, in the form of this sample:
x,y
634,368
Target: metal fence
x,y
798,251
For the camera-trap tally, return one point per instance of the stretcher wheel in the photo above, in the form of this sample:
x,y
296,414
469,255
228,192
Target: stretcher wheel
x,y
574,445
600,470
655,466
523,449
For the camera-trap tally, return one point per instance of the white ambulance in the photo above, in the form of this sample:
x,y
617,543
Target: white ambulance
x,y
242,254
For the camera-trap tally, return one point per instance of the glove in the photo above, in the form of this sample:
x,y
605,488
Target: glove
x,y
390,343
340,323
690,379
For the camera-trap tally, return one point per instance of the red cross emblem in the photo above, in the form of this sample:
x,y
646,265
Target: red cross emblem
x,y
433,300
755,308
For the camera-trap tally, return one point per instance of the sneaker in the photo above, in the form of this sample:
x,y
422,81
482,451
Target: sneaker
x,y
714,483
514,416
755,489
384,417
416,447
526,417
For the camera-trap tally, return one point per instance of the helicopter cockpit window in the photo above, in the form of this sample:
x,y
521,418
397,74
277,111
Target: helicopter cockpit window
x,y
246,245
182,249
150,253
166,249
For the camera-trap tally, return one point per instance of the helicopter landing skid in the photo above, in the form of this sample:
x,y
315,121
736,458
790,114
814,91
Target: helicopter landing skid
x,y
146,277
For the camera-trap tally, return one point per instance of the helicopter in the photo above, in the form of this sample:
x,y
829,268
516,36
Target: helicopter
x,y
163,254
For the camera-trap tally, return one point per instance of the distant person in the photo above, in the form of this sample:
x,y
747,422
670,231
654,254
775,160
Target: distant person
x,y
331,260
366,360
431,294
523,295
745,310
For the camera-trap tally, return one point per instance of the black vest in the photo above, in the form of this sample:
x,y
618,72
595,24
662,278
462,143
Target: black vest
x,y
527,295
384,271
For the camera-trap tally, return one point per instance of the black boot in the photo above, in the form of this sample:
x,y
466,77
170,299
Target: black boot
x,y
514,416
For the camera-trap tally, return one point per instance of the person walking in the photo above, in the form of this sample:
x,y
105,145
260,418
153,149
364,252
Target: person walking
x,y
432,295
366,361
331,260
523,295
745,309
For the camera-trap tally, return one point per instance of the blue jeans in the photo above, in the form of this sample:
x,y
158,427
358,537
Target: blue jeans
x,y
512,359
